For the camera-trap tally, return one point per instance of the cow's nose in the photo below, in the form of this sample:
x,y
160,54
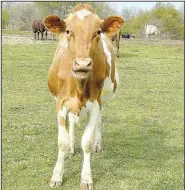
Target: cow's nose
x,y
82,63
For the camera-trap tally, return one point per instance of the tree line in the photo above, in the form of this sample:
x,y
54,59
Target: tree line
x,y
170,21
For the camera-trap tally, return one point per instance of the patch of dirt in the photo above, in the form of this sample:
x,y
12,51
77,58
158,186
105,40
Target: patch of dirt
x,y
17,39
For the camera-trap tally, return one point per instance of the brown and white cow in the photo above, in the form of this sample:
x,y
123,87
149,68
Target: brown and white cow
x,y
82,76
115,38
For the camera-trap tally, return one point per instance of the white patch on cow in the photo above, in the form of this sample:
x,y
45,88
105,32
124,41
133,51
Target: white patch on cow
x,y
107,91
66,43
87,141
63,40
85,109
63,145
73,118
93,117
97,135
62,113
82,13
107,52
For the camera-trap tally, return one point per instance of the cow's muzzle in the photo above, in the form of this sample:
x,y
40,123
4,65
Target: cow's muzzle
x,y
82,67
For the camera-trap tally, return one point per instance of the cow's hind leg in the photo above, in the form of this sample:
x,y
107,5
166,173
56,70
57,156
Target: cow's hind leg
x,y
87,141
42,34
46,35
35,35
117,48
63,144
38,35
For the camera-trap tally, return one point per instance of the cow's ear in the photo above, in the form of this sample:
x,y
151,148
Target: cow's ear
x,y
54,24
112,25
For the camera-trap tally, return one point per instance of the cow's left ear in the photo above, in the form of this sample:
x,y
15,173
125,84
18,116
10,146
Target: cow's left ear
x,y
54,24
112,25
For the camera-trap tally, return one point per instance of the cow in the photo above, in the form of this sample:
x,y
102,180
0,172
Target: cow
x,y
38,27
82,78
151,30
127,36
115,38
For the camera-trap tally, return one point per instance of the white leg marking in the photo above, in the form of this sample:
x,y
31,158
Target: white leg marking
x,y
87,140
72,121
97,136
63,144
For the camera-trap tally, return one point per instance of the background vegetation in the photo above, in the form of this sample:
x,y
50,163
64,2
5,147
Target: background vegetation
x,y
170,21
165,16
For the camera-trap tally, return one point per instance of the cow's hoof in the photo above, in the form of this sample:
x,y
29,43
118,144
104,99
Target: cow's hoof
x,y
96,148
86,186
55,183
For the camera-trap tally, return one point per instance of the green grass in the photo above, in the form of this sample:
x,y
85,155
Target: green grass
x,y
16,32
142,128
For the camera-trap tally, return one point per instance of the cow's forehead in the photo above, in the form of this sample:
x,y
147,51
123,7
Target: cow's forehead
x,y
83,15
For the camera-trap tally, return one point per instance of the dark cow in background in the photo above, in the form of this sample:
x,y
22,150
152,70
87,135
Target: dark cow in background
x,y
38,27
115,38
127,36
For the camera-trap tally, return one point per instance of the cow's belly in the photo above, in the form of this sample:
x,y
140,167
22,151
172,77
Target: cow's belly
x,y
108,88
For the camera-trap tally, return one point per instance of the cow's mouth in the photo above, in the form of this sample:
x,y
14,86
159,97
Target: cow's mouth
x,y
80,74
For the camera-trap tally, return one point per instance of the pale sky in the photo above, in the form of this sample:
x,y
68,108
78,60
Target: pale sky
x,y
141,5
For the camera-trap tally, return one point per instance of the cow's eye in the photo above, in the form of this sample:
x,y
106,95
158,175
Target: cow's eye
x,y
97,33
67,31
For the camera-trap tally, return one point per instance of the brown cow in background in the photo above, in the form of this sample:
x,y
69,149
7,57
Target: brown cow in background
x,y
38,27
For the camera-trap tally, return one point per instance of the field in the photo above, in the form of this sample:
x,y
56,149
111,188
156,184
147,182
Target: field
x,y
142,128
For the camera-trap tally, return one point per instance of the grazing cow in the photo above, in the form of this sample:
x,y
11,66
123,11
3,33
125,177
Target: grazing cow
x,y
115,38
82,77
38,27
151,30
127,36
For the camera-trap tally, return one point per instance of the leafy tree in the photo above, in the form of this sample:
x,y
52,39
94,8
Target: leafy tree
x,y
5,18
26,16
130,13
164,16
60,9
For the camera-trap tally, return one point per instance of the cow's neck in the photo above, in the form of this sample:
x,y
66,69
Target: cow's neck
x,y
81,87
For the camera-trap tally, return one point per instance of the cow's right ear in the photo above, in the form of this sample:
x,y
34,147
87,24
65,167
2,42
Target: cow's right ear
x,y
54,24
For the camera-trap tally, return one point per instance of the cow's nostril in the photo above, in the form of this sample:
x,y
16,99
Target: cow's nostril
x,y
76,63
90,64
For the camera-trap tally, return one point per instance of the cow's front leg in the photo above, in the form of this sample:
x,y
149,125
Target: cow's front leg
x,y
72,120
87,141
63,144
97,136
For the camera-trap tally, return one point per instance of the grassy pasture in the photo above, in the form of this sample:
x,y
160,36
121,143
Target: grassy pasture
x,y
142,128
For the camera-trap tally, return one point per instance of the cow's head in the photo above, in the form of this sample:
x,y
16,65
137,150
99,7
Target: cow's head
x,y
83,30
